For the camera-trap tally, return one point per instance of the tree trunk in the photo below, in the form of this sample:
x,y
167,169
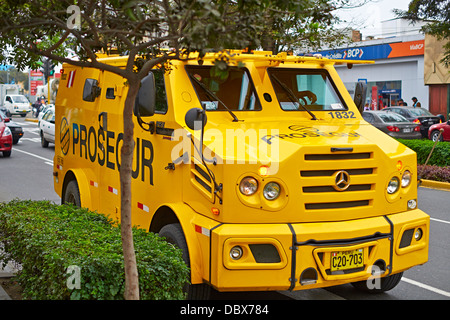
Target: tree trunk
x,y
131,272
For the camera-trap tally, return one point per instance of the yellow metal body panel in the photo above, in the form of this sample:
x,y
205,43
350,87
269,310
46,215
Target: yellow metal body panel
x,y
309,217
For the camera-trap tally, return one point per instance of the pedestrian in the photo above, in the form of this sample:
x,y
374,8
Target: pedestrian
x,y
400,102
366,107
416,103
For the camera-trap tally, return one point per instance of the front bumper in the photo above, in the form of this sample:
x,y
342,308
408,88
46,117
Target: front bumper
x,y
298,256
6,143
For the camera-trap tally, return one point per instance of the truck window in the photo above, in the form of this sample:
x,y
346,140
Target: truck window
x,y
313,88
233,87
161,96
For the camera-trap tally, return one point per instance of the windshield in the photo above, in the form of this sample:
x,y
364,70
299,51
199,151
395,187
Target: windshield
x,y
233,87
420,112
313,87
19,99
392,117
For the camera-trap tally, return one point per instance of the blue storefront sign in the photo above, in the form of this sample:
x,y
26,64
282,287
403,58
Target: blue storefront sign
x,y
361,53
380,51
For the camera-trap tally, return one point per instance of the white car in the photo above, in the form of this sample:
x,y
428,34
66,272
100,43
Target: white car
x,y
47,127
16,104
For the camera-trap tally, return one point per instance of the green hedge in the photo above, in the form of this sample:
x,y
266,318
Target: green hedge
x,y
441,153
46,239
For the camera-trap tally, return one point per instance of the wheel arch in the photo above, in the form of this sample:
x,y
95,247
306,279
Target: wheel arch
x,y
83,186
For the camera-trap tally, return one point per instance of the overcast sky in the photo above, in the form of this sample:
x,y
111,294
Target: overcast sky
x,y
368,18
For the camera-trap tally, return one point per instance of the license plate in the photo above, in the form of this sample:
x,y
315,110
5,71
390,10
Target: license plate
x,y
343,260
407,130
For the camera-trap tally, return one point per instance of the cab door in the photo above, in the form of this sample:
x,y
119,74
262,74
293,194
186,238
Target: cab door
x,y
82,116
109,124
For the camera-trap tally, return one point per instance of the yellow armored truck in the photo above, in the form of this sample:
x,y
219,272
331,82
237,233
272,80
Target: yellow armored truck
x,y
263,172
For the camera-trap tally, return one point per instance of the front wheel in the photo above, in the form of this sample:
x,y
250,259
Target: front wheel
x,y
72,194
435,136
379,285
174,235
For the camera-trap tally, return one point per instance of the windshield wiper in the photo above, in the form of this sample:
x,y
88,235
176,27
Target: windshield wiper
x,y
293,97
213,96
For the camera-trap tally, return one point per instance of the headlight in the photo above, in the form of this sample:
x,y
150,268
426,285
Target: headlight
x,y
7,132
406,179
393,185
248,186
272,191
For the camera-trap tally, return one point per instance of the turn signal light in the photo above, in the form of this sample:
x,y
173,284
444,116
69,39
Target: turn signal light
x,y
264,171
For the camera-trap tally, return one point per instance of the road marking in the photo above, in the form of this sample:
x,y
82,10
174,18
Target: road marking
x,y
32,130
439,220
36,156
38,140
427,287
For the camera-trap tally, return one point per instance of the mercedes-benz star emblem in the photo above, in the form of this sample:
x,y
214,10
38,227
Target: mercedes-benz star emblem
x,y
341,180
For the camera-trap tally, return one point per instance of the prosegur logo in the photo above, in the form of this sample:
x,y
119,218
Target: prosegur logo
x,y
64,136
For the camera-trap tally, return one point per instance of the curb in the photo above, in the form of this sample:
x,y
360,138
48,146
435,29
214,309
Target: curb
x,y
435,185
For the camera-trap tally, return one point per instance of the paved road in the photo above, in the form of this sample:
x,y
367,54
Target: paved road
x,y
28,175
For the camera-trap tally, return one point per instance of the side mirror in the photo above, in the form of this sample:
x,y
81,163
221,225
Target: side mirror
x,y
360,95
6,119
146,97
194,115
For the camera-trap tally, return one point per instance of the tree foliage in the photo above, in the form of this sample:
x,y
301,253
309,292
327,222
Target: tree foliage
x,y
438,11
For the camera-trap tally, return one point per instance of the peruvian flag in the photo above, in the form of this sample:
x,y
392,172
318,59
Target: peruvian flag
x,y
71,79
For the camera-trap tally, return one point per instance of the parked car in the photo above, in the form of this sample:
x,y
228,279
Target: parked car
x,y
47,127
433,132
44,109
16,129
5,139
393,124
421,116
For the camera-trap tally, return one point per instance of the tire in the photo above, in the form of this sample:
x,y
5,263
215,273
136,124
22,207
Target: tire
x,y
6,154
435,134
174,235
44,143
72,194
386,284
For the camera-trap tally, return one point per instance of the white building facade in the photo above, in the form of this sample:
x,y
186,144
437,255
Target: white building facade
x,y
398,71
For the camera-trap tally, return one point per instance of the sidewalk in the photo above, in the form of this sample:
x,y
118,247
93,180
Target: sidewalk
x,y
7,272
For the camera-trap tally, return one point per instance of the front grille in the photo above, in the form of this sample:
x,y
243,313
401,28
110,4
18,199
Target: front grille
x,y
320,176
